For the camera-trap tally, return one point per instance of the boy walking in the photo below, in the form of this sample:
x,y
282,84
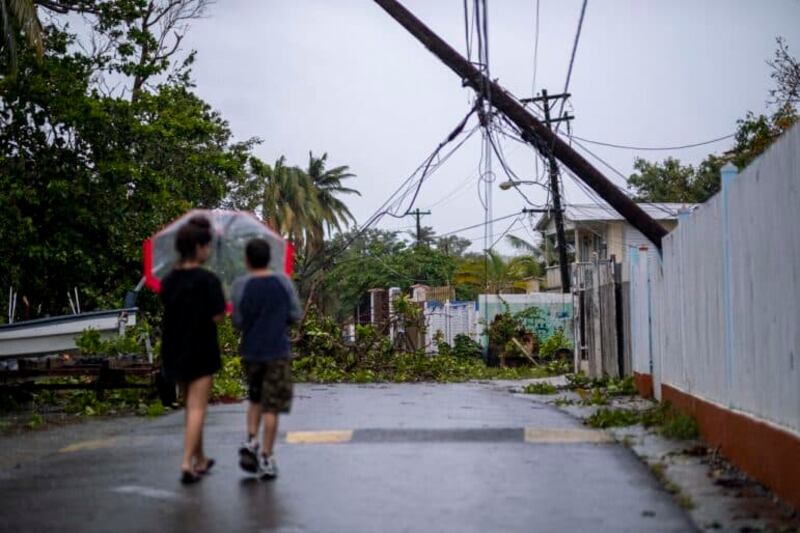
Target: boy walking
x,y
265,306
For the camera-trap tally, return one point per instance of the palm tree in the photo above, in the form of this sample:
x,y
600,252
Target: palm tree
x,y
288,199
532,262
20,15
525,246
493,274
328,183
426,236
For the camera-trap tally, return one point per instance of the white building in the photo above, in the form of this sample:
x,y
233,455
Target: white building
x,y
597,231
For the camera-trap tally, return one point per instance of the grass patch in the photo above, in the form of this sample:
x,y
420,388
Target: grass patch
x,y
606,418
155,409
563,401
665,419
594,396
36,421
621,387
659,470
680,427
670,423
542,387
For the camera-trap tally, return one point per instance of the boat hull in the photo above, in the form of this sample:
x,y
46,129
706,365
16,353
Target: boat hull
x,y
57,334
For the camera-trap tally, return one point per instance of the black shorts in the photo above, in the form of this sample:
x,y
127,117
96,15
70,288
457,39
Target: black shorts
x,y
270,384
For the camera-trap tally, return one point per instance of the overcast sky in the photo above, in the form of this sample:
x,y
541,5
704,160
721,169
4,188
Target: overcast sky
x,y
342,77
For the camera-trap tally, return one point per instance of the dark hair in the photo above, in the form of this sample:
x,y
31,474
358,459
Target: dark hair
x,y
196,232
258,253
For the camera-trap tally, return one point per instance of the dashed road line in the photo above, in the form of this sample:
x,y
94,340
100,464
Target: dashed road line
x,y
147,492
94,444
566,436
319,437
531,435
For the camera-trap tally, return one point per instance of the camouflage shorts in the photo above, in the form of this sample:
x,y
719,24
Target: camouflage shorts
x,y
270,384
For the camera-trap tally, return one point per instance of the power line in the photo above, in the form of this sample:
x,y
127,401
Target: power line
x,y
459,230
512,176
655,148
535,48
467,32
572,60
385,208
455,133
513,223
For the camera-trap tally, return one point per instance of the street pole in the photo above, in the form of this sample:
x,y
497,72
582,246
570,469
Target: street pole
x,y
419,214
559,213
533,131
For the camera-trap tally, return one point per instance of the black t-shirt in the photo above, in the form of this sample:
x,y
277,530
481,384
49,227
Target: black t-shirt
x,y
189,346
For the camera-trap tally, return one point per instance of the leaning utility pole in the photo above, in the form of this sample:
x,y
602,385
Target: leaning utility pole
x,y
561,237
533,131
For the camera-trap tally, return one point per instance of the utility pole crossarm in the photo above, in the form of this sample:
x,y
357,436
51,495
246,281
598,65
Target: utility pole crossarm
x,y
532,129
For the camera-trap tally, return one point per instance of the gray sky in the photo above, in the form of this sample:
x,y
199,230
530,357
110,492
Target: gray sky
x,y
341,76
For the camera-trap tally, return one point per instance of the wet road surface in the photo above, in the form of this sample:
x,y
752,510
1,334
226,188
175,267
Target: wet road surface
x,y
373,458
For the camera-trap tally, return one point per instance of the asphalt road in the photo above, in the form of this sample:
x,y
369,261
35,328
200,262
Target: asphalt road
x,y
378,458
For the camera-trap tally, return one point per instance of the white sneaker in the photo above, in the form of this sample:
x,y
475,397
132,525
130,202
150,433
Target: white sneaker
x,y
267,467
248,456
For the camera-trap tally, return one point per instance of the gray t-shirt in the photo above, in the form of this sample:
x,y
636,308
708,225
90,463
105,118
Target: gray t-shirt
x,y
237,291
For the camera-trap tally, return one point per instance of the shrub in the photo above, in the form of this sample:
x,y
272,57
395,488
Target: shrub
x,y
229,382
90,342
606,418
464,346
555,342
670,423
541,387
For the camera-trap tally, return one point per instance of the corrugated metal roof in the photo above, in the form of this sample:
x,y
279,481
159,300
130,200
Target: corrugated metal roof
x,y
604,212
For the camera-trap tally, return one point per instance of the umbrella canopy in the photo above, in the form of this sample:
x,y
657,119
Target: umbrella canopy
x,y
231,232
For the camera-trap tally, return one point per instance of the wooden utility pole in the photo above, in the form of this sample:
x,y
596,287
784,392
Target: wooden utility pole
x,y
533,131
561,237
419,214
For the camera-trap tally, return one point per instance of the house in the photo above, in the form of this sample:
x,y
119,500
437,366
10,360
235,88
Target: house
x,y
597,231
425,293
533,284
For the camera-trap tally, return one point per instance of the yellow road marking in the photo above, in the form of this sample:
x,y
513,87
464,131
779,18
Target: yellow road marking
x,y
319,437
565,436
95,444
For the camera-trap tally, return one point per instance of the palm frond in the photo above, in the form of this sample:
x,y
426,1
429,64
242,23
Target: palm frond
x,y
24,11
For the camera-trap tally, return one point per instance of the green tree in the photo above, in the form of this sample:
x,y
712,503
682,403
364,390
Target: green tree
x,y
331,212
427,236
378,259
670,181
329,184
492,274
452,245
286,199
368,262
87,177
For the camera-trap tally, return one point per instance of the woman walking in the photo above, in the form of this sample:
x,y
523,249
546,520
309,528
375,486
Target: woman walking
x,y
193,304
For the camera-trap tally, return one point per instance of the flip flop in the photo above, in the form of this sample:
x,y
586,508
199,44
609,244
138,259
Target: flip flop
x,y
190,478
209,463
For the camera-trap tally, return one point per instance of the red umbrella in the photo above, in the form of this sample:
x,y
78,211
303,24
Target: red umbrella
x,y
231,232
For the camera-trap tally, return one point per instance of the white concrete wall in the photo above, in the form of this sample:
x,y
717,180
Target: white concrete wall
x,y
725,295
640,293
